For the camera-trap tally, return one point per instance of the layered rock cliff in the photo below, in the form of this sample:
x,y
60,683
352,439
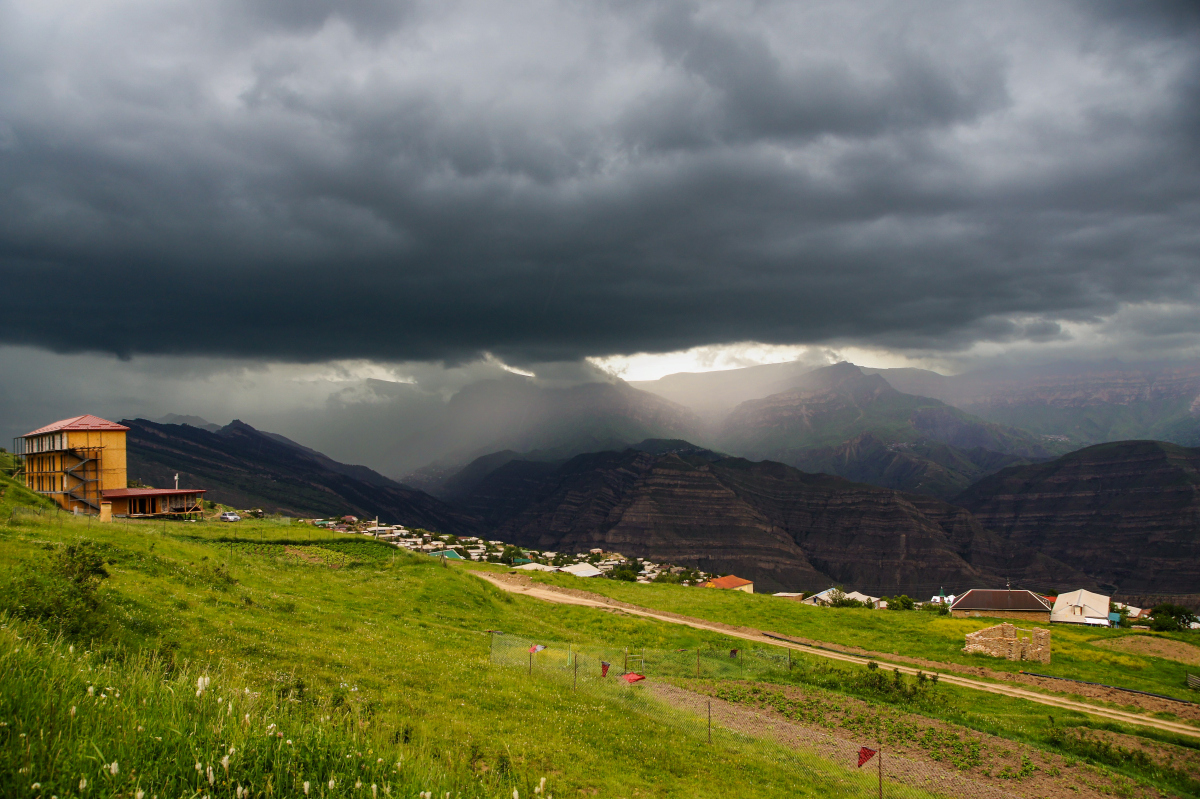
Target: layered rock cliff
x,y
781,527
1127,513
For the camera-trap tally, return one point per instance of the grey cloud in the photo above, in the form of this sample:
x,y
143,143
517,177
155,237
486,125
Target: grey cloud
x,y
547,182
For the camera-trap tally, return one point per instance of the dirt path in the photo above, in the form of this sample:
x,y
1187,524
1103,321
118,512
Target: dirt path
x,y
522,585
1045,775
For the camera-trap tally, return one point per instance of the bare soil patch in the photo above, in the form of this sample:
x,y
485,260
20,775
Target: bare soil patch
x,y
1154,646
918,751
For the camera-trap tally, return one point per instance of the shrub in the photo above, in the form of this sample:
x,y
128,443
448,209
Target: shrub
x,y
1168,618
64,592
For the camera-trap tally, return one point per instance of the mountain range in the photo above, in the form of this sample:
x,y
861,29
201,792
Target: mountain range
x,y
1114,517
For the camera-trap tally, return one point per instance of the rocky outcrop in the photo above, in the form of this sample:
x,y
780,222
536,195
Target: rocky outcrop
x,y
776,525
1126,513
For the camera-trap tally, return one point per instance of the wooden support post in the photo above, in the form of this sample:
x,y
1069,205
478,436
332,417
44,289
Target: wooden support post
x,y
531,663
626,671
575,686
880,757
789,658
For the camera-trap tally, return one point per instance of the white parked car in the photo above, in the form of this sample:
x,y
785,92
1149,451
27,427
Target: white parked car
x,y
230,516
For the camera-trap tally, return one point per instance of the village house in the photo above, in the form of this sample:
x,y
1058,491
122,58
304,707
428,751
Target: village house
x,y
731,583
1081,607
1001,603
80,464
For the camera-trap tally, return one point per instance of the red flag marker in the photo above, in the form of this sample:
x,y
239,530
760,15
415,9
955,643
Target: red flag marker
x,y
864,755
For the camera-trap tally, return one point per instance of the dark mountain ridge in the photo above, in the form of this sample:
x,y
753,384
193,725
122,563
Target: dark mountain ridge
x,y
769,522
1127,513
244,467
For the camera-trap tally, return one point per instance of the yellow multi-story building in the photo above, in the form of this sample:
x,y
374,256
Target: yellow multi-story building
x,y
80,464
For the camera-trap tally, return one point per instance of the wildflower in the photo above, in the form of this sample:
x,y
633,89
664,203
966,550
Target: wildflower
x,y
113,768
139,794
83,784
305,787
358,785
72,711
202,684
141,728
91,690
211,779
71,649
374,791
289,743
239,791
331,783
37,786
515,794
198,766
379,760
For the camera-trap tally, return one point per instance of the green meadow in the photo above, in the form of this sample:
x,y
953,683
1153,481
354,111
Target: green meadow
x,y
911,633
258,657
251,659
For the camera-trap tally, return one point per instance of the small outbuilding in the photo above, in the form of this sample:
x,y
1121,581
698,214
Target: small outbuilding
x,y
1001,603
1081,607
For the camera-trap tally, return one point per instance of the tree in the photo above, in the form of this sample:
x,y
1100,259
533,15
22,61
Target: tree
x,y
1169,618
902,602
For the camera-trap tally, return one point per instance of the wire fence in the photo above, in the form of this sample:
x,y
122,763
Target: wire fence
x,y
633,676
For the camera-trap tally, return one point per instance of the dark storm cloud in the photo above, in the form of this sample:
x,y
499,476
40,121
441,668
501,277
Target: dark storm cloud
x,y
546,181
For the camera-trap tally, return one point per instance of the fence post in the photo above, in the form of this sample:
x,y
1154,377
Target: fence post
x,y
880,756
710,721
530,662
789,658
575,686
697,661
626,671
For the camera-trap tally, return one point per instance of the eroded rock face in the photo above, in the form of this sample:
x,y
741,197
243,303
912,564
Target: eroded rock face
x,y
782,528
1126,513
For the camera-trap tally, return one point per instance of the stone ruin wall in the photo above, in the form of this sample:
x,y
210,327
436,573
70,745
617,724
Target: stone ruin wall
x,y
1002,641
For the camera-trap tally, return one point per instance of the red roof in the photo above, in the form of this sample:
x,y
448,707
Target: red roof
x,y
122,493
85,422
728,582
1000,599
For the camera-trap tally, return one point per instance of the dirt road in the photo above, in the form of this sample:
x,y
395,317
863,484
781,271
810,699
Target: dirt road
x,y
550,594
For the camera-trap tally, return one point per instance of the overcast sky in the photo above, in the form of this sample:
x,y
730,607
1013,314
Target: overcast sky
x,y
284,188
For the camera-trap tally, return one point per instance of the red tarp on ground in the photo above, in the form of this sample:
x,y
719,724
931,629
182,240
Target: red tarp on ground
x,y
631,678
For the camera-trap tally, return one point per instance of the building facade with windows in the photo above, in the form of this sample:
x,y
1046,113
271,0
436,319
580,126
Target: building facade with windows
x,y
81,464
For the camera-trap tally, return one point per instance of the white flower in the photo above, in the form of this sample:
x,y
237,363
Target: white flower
x,y
83,784
331,783
289,742
211,779
198,766
515,794
91,690
71,649
37,786
305,784
374,790
72,711
358,785
542,784
139,794
113,768
225,763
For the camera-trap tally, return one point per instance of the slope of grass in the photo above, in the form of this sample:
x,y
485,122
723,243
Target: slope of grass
x,y
381,661
911,633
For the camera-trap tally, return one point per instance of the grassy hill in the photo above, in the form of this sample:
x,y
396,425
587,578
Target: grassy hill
x,y
371,663
307,657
